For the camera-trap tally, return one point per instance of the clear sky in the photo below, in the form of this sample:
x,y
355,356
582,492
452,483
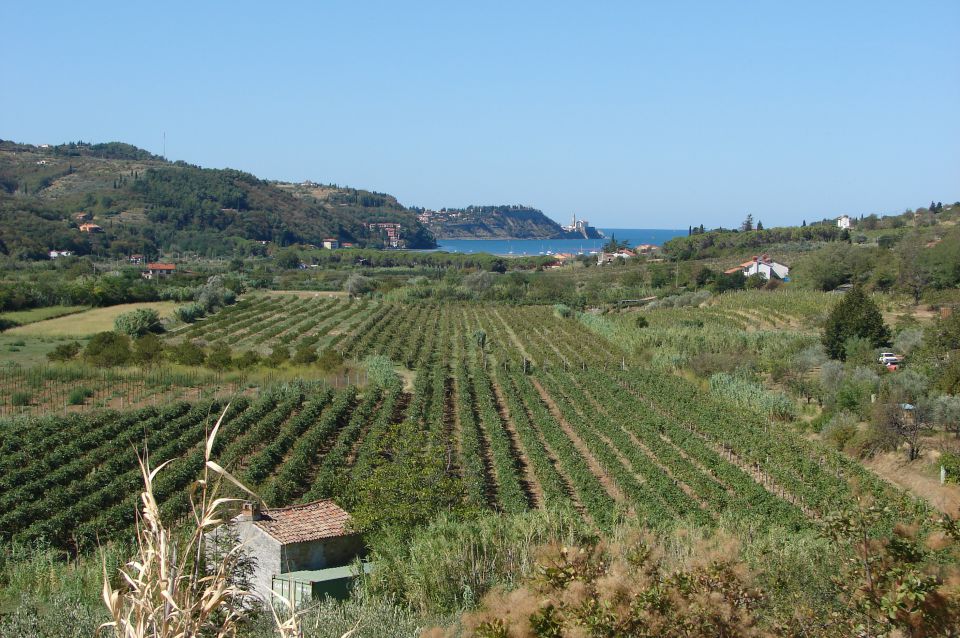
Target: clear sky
x,y
633,114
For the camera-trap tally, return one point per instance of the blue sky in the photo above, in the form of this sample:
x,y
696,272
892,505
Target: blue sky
x,y
633,114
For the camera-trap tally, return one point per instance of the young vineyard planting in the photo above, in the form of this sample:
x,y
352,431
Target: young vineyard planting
x,y
511,409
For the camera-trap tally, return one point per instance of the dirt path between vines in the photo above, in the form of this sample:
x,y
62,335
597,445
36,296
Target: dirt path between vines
x,y
528,481
909,477
595,468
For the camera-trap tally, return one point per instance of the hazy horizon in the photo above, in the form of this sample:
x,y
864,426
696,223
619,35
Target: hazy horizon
x,y
631,116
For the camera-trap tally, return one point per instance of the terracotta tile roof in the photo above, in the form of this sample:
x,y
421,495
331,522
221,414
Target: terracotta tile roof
x,y
156,266
307,522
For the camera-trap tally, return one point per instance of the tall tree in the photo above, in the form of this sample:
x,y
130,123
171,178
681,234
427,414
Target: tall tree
x,y
855,316
747,223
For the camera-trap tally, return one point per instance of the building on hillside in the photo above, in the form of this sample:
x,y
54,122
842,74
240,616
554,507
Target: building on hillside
x,y
608,258
301,551
581,227
560,260
158,270
91,228
136,259
843,222
763,266
331,243
60,253
82,217
390,231
645,250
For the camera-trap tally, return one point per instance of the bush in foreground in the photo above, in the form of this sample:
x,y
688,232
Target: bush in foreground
x,y
108,349
64,352
137,323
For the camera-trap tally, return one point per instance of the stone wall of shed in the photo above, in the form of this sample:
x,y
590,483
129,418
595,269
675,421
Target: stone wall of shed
x,y
330,552
266,551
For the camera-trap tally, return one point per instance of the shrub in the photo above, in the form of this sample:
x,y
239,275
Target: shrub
x,y
706,364
6,324
220,357
330,360
753,396
64,351
190,312
288,259
147,350
479,282
840,430
79,396
214,294
380,370
642,322
562,311
755,281
278,356
21,398
709,593
821,421
137,323
248,359
951,464
187,353
908,340
108,349
356,284
305,355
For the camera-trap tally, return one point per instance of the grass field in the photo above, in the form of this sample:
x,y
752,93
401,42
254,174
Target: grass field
x,y
25,351
23,317
87,323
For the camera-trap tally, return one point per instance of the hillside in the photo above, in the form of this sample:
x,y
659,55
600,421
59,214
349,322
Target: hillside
x,y
496,222
144,204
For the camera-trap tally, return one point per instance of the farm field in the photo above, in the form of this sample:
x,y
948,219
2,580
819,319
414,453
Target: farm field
x,y
528,410
41,314
87,323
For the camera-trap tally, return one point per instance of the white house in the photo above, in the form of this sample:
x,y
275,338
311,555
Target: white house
x,y
60,253
158,270
331,243
608,258
762,265
843,222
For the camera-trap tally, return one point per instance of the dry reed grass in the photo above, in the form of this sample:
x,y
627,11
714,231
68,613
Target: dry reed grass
x,y
173,587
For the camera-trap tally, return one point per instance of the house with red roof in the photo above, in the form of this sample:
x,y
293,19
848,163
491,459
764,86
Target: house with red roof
x,y
301,551
761,265
158,270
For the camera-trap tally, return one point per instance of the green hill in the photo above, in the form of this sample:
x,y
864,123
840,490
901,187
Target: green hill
x,y
144,203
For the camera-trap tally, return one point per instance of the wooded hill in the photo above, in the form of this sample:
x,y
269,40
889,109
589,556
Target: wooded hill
x,y
495,222
144,203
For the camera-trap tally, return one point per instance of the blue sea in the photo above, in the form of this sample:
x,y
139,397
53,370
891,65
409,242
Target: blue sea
x,y
521,247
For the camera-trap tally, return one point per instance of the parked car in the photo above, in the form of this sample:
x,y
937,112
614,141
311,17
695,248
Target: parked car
x,y
889,358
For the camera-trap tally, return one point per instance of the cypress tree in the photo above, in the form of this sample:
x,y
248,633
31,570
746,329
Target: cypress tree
x,y
855,316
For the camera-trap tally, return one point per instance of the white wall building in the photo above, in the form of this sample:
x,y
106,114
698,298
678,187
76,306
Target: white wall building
x,y
843,222
764,266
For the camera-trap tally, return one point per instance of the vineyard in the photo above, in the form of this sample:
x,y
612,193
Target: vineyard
x,y
524,408
72,389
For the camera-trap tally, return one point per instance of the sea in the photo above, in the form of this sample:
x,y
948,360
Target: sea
x,y
527,247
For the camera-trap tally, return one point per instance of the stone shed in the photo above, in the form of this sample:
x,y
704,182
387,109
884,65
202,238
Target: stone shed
x,y
290,542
